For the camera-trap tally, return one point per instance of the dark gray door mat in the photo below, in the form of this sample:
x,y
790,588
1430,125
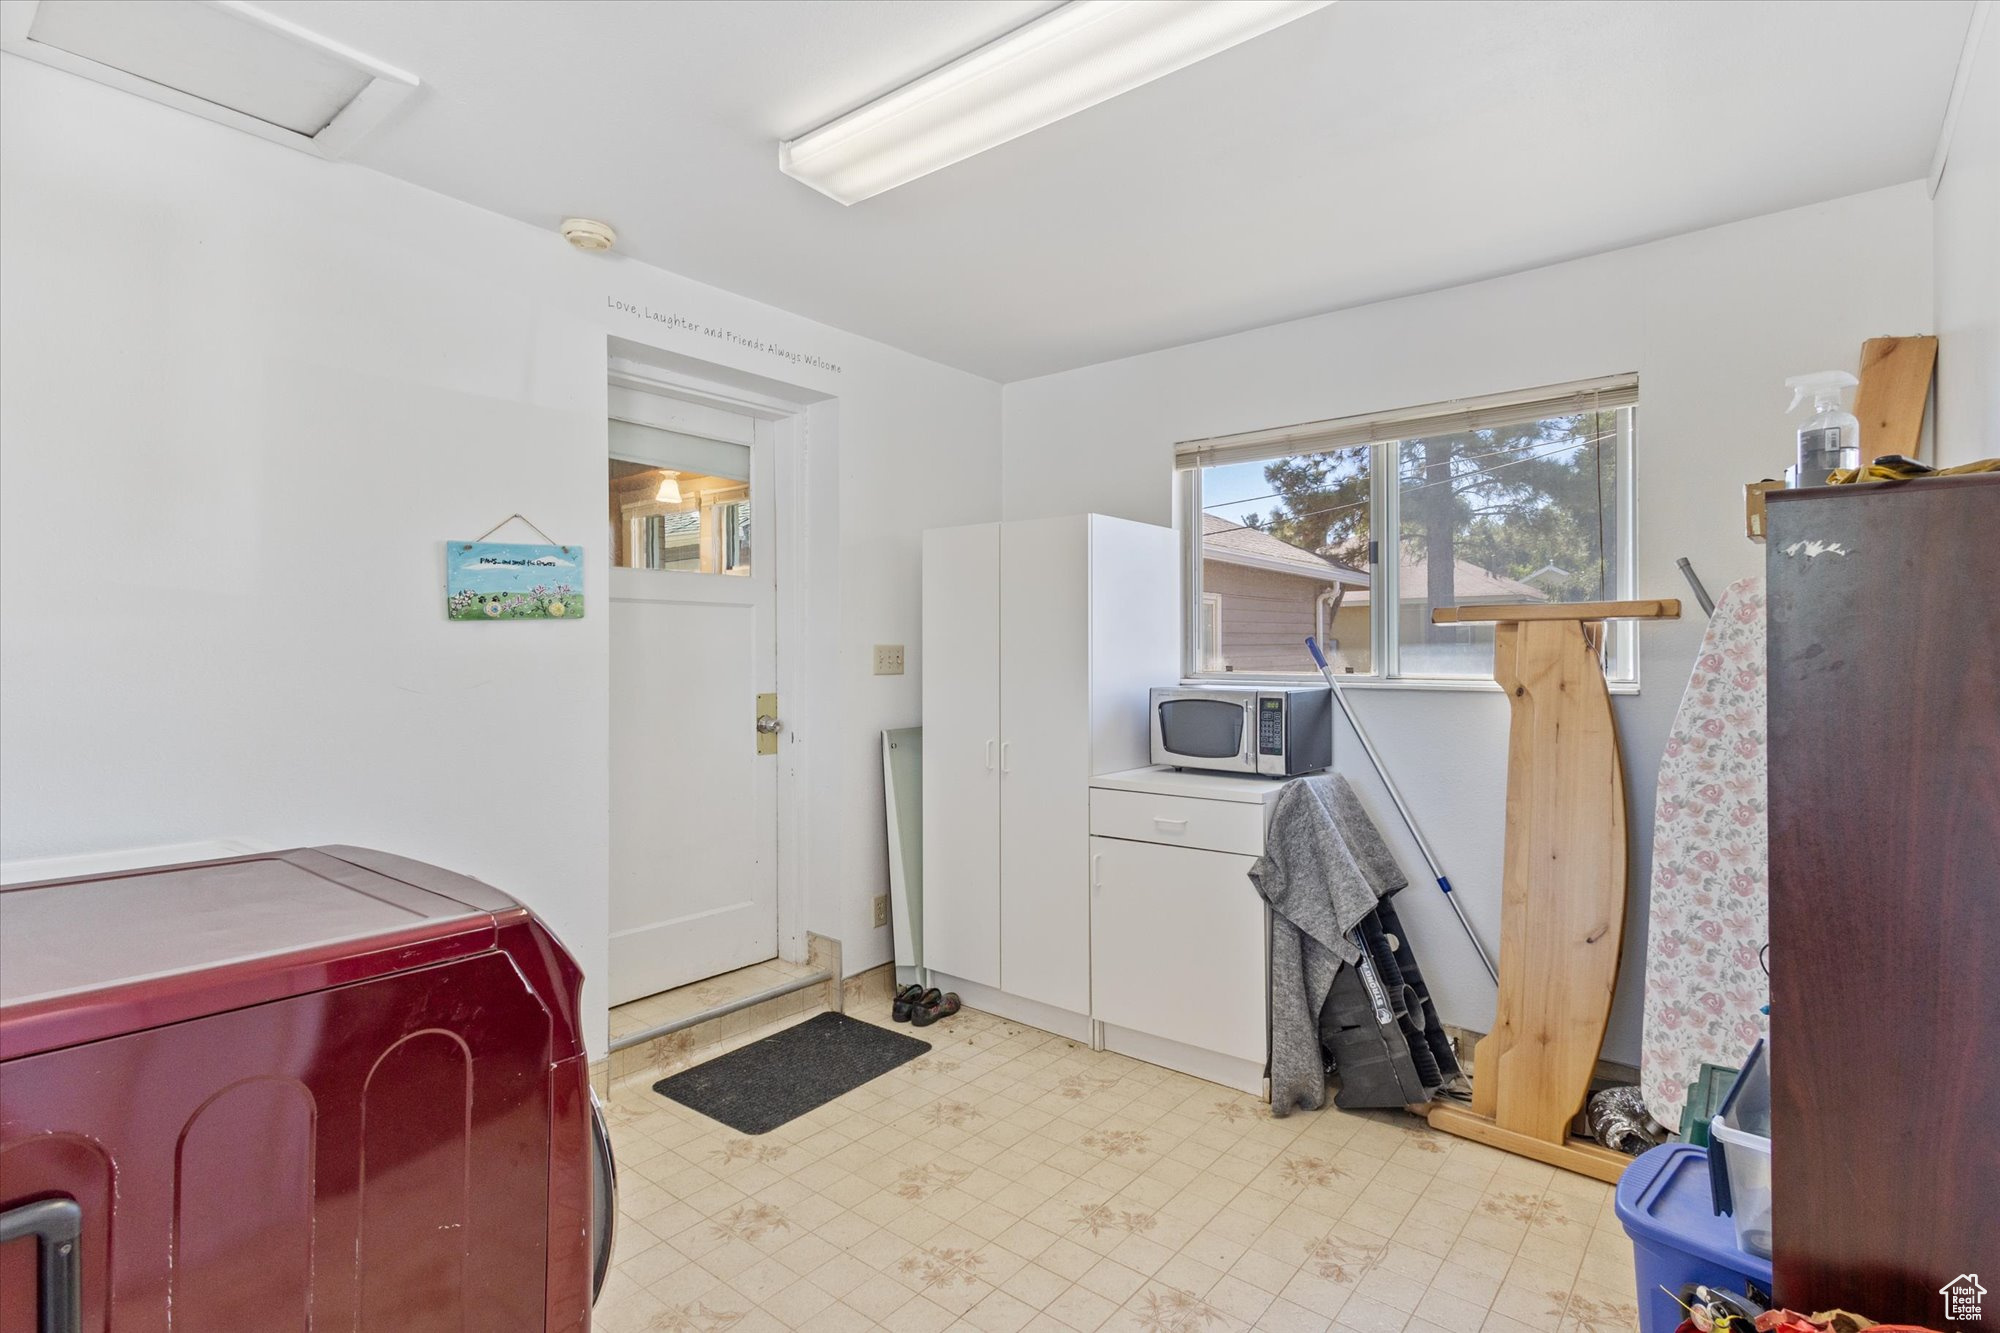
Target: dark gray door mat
x,y
758,1087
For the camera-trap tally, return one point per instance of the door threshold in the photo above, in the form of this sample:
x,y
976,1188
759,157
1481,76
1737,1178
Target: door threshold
x,y
641,1021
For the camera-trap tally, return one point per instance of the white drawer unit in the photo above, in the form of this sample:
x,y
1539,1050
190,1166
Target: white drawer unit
x,y
1178,821
1179,939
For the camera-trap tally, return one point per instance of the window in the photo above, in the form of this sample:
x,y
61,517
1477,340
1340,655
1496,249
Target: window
x,y
678,502
1517,498
1211,631
732,526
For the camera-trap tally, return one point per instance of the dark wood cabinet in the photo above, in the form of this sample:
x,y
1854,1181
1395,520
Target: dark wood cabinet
x,y
1884,726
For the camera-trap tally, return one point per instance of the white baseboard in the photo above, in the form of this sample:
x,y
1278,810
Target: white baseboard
x,y
1228,1070
1015,1008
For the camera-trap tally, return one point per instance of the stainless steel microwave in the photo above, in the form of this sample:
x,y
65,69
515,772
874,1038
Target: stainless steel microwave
x,y
1241,729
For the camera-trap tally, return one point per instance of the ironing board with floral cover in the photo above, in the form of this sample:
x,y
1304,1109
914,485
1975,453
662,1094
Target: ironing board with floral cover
x,y
1705,986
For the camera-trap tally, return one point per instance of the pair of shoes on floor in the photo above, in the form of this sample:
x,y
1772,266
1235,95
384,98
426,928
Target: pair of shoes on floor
x,y
921,1007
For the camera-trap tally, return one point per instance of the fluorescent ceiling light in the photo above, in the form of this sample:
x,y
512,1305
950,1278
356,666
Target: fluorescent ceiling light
x,y
220,59
1086,52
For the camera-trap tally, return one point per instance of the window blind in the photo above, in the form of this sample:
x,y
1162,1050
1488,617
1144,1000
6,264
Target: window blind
x,y
633,443
1598,395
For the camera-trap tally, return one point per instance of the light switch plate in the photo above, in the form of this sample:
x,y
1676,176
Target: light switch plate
x,y
881,909
888,659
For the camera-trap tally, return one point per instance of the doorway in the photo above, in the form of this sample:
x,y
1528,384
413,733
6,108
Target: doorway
x,y
695,727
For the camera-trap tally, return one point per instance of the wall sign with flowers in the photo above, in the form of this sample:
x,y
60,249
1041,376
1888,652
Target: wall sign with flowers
x,y
513,581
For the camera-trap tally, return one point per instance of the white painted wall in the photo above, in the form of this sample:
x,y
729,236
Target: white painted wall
x,y
248,395
1713,322
1966,215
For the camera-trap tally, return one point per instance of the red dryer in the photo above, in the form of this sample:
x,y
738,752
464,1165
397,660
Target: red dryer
x,y
310,1090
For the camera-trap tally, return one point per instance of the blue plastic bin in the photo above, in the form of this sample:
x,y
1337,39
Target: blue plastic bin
x,y
1664,1203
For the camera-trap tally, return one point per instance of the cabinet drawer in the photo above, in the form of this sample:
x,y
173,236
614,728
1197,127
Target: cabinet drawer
x,y
1179,821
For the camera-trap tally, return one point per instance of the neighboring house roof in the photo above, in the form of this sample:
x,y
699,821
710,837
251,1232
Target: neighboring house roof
x,y
1234,544
1472,584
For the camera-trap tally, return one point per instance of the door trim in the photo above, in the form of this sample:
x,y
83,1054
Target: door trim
x,y
786,420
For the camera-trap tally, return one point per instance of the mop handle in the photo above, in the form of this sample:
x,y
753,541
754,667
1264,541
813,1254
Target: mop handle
x,y
1319,658
1409,821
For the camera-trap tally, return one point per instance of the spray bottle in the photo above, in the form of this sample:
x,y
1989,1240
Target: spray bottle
x,y
1832,439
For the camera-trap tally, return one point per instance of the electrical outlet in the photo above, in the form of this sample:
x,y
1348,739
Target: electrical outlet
x,y
888,662
881,909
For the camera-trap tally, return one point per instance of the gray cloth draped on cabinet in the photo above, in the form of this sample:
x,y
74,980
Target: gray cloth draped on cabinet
x,y
1324,868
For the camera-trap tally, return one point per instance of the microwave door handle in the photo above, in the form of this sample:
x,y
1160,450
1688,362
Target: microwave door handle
x,y
1250,734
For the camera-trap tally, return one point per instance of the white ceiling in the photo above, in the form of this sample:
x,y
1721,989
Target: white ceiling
x,y
1369,150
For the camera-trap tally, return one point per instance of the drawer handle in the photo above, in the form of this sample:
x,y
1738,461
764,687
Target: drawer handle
x,y
1097,873
1170,825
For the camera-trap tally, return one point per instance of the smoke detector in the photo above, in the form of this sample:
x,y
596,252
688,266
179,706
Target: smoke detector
x,y
588,234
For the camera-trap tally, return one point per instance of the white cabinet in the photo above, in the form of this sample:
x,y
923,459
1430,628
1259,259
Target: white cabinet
x,y
1041,639
1179,935
961,688
1045,761
1178,945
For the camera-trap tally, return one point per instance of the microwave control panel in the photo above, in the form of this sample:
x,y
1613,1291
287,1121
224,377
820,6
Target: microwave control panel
x,y
1271,725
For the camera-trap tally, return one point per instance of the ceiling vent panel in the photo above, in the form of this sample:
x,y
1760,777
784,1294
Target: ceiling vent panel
x,y
220,59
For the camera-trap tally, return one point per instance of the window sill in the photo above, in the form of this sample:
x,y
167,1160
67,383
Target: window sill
x,y
1368,684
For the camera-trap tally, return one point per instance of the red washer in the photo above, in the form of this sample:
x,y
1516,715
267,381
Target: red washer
x,y
316,1089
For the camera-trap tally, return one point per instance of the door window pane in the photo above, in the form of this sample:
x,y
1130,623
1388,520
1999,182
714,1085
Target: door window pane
x,y
678,502
733,525
1284,554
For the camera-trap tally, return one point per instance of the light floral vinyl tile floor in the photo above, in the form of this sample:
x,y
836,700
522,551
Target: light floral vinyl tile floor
x,y
1014,1180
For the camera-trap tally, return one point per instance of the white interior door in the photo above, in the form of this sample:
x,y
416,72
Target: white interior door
x,y
694,825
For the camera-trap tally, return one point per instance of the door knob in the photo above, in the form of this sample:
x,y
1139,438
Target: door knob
x,y
768,725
